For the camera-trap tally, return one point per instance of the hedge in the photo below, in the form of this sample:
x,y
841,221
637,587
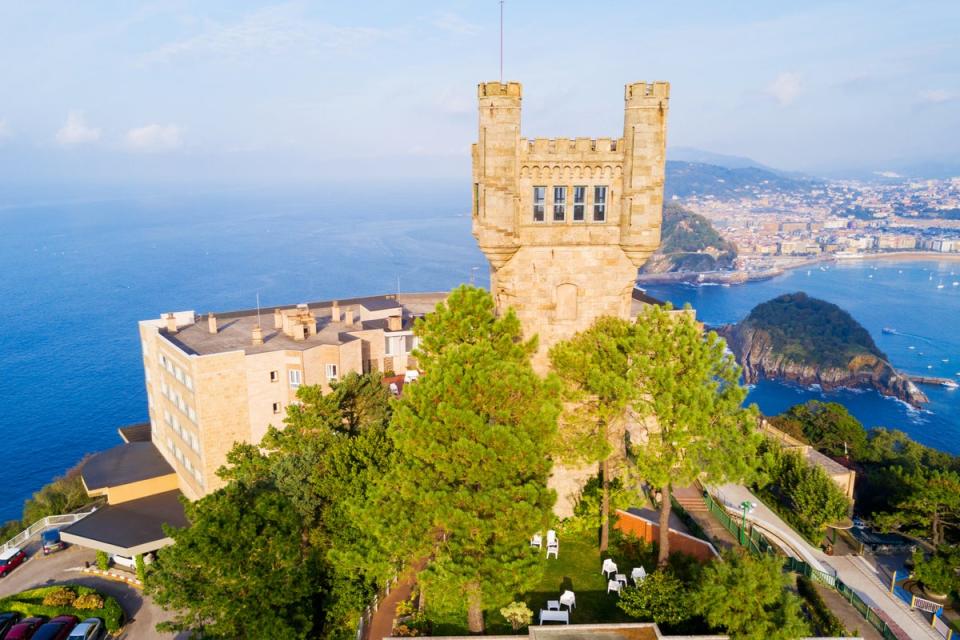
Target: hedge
x,y
30,603
822,617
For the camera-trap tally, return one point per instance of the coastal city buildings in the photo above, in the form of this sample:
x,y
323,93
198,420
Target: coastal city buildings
x,y
779,224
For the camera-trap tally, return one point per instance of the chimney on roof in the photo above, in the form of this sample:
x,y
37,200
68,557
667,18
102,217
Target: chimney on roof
x,y
335,312
395,323
257,335
171,323
212,323
348,316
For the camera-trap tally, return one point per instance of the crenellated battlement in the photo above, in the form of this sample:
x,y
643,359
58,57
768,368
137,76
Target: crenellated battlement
x,y
576,148
646,92
499,89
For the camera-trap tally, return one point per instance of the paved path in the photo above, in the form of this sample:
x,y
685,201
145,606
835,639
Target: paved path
x,y
853,570
59,567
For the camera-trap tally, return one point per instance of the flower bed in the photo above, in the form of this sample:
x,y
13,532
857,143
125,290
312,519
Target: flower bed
x,y
31,603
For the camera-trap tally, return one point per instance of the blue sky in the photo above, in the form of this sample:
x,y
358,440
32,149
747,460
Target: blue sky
x,y
235,90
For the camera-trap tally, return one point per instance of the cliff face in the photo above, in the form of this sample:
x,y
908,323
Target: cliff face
x,y
754,350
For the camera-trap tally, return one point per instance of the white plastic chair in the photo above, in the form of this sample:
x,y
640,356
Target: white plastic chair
x,y
638,574
551,537
614,585
609,566
536,540
569,599
554,549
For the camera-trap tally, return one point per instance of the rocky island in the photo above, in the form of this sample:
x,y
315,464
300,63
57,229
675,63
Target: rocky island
x,y
689,245
808,341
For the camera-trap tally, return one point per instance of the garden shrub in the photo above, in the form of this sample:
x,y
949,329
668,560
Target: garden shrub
x,y
661,597
103,560
518,614
822,617
141,567
31,603
88,601
60,597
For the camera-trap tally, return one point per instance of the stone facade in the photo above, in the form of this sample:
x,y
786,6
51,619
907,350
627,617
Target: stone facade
x,y
566,223
219,379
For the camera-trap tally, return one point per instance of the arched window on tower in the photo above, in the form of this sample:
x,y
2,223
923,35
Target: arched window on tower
x,y
567,301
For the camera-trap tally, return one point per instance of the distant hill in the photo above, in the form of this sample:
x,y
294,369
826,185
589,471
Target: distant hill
x,y
696,178
701,156
689,243
810,341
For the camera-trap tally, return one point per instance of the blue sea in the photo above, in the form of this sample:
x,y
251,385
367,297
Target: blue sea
x,y
899,295
77,271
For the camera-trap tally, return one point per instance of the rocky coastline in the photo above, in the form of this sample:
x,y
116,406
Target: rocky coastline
x,y
753,350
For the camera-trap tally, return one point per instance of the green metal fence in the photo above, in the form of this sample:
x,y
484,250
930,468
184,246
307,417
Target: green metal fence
x,y
751,538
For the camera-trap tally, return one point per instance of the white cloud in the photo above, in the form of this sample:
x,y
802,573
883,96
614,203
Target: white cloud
x,y
453,23
272,30
4,129
785,88
77,131
152,138
938,96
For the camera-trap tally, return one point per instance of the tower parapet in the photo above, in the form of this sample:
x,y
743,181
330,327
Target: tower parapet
x,y
565,223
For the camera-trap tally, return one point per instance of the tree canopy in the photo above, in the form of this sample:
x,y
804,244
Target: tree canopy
x,y
467,486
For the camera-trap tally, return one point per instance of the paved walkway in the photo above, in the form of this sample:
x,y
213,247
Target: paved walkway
x,y
853,570
849,616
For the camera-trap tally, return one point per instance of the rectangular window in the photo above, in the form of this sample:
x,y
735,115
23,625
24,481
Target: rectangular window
x,y
274,376
599,204
539,203
579,203
198,476
331,372
170,443
188,381
191,414
276,407
294,378
167,417
559,204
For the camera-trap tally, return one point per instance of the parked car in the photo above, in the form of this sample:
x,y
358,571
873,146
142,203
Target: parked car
x,y
11,559
57,629
25,629
124,561
51,541
89,629
7,620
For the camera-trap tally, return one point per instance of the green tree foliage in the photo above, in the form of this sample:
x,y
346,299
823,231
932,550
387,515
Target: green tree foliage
x,y
810,499
811,331
690,399
296,492
599,387
929,504
467,486
661,597
827,426
940,571
748,597
518,614
241,569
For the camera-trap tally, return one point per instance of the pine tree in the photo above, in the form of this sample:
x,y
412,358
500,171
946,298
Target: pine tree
x,y
748,597
599,387
468,483
691,405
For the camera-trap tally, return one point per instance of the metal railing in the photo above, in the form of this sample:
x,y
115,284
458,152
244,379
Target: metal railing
x,y
41,525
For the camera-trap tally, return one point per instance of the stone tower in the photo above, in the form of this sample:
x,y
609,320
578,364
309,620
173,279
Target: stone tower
x,y
566,223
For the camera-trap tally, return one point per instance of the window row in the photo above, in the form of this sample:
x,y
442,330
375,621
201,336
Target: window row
x,y
295,377
579,208
184,434
174,396
177,372
185,461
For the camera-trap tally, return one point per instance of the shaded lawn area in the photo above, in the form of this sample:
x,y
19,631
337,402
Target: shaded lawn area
x,y
577,569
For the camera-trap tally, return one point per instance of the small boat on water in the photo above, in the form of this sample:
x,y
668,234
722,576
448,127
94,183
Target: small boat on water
x,y
890,331
911,347
950,384
940,286
956,283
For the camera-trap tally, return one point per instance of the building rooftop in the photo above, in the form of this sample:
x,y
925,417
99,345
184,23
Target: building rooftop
x,y
136,432
131,527
234,329
123,464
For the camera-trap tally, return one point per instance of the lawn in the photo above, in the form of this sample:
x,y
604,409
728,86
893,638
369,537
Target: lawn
x,y
577,569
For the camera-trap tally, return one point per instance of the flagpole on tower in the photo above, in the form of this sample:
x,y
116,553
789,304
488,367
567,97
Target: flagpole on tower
x,y
501,41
